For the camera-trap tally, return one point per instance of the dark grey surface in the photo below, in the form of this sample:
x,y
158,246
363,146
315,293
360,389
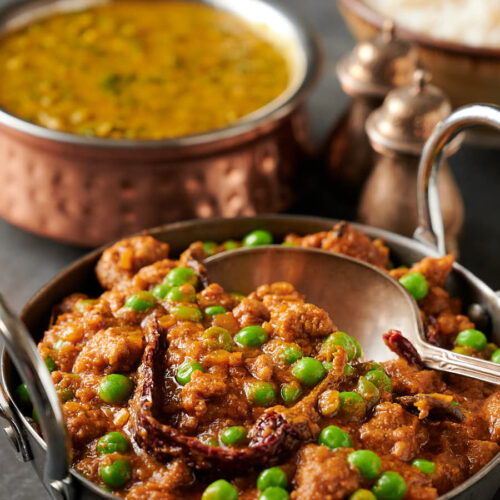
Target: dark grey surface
x,y
27,261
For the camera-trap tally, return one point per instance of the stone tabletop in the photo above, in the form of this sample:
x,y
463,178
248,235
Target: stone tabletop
x,y
27,261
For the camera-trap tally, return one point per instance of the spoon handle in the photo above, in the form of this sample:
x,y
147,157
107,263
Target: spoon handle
x,y
448,361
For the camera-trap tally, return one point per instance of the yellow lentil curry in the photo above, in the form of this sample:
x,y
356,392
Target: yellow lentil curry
x,y
139,70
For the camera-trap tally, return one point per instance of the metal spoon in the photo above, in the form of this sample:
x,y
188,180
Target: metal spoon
x,y
362,300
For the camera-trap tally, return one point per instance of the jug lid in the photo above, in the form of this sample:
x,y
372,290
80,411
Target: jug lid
x,y
407,117
377,65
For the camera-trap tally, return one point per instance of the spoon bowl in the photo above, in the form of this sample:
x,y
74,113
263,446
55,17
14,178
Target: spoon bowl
x,y
362,300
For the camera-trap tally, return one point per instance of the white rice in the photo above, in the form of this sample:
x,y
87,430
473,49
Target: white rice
x,y
473,22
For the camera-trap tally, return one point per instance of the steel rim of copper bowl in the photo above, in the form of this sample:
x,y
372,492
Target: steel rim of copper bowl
x,y
222,227
24,12
376,19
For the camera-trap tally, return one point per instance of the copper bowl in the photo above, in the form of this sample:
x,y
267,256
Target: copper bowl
x,y
87,191
48,455
466,73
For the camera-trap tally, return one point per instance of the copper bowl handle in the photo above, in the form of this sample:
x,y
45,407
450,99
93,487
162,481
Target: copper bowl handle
x,y
430,228
32,370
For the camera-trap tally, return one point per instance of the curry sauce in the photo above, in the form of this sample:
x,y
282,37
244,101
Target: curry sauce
x,y
139,70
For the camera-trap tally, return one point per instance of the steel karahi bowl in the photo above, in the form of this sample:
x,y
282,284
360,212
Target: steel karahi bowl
x,y
88,191
48,455
80,277
467,74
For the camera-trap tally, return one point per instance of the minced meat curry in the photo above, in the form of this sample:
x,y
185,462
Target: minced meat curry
x,y
173,387
139,69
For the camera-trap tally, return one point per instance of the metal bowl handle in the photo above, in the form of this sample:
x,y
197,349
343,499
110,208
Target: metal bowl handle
x,y
34,373
430,228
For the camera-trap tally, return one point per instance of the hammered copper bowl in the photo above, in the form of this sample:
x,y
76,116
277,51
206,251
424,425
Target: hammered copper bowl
x,y
80,277
87,191
467,74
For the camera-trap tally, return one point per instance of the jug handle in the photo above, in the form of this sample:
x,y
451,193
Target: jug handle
x,y
430,230
34,373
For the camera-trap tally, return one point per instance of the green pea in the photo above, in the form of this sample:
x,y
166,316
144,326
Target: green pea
x,y
231,245
274,476
112,442
416,284
348,370
390,486
334,437
218,338
327,365
213,310
251,336
291,354
368,391
367,462
288,244
22,394
181,275
50,364
309,371
187,313
380,379
233,435
329,403
359,349
490,348
65,395
213,442
175,295
352,405
220,490
495,357
34,415
115,388
343,340
181,294
209,247
260,393
370,366
116,474
186,370
472,338
257,238
141,301
160,291
362,494
426,466
274,493
290,392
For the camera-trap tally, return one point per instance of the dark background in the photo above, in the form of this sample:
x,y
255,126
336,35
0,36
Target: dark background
x,y
27,261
